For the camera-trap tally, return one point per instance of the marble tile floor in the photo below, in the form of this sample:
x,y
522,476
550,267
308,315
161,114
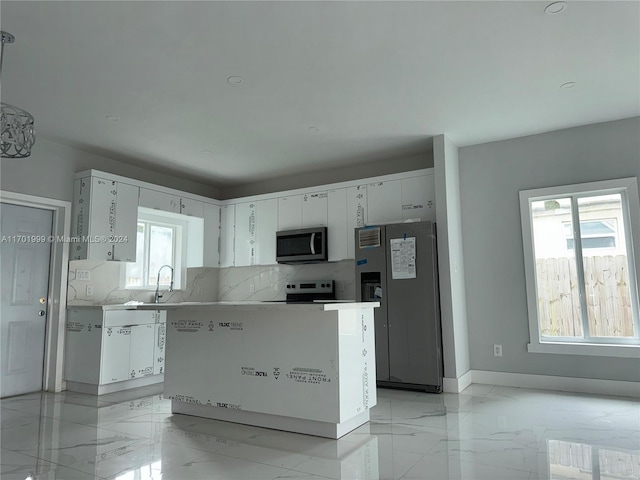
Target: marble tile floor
x,y
486,432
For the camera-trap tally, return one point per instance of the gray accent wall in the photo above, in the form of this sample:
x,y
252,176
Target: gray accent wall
x,y
491,175
49,172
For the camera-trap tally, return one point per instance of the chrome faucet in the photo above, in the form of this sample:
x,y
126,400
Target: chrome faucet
x,y
158,295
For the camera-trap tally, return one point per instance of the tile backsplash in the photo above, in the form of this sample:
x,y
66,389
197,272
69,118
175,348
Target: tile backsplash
x,y
105,279
235,283
207,284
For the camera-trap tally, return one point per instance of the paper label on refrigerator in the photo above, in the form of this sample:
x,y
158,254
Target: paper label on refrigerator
x,y
403,258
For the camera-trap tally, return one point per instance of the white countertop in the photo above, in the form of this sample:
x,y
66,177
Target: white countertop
x,y
322,305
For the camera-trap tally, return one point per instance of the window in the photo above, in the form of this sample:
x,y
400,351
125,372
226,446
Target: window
x,y
581,267
594,234
155,247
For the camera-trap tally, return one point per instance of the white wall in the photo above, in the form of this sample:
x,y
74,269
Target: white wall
x,y
49,172
491,175
455,342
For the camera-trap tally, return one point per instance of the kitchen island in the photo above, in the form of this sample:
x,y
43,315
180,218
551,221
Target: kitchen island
x,y
306,368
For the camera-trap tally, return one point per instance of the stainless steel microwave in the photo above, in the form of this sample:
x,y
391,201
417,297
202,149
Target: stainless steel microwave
x,y
305,245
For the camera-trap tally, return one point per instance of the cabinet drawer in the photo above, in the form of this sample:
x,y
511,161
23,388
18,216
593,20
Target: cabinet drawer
x,y
117,318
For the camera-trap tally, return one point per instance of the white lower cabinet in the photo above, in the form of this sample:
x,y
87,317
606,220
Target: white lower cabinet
x,y
122,345
141,351
114,356
160,336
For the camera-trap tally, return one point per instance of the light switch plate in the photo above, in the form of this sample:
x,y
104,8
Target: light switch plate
x,y
89,290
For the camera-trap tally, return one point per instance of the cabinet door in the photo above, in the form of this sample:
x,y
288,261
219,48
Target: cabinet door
x,y
418,198
159,200
114,358
290,212
211,235
337,237
80,218
141,350
314,209
160,335
227,234
192,208
266,226
102,217
356,214
82,345
384,202
126,222
245,234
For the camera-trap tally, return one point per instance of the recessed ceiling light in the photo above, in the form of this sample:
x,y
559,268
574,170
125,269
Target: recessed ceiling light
x,y
313,129
112,118
568,85
235,80
555,7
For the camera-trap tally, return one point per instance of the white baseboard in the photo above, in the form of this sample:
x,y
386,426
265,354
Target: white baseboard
x,y
551,382
456,385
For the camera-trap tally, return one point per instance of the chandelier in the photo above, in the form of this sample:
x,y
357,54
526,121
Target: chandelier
x,y
18,135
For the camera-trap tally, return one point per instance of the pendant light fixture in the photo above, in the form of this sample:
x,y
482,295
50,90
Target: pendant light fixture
x,y
17,135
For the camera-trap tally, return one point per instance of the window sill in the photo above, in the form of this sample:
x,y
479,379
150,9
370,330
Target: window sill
x,y
588,349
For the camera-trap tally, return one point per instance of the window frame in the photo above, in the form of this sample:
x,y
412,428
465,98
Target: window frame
x,y
599,346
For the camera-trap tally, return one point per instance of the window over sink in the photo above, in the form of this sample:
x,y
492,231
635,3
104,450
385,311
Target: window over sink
x,y
164,238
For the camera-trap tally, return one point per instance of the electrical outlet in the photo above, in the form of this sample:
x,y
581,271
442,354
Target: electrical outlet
x,y
83,275
89,290
252,288
497,350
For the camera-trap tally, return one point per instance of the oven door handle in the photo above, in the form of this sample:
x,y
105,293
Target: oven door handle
x,y
312,242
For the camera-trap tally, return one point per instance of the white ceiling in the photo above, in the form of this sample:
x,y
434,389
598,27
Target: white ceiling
x,y
377,79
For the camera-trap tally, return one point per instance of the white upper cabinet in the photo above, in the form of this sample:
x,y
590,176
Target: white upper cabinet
x,y
384,201
266,227
168,202
255,232
105,211
159,200
290,212
337,232
245,234
356,214
227,235
192,208
418,198
314,209
124,230
211,252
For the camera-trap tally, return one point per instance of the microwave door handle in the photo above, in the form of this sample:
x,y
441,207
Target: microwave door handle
x,y
312,244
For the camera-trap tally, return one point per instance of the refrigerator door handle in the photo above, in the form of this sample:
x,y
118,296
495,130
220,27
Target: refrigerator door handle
x,y
312,242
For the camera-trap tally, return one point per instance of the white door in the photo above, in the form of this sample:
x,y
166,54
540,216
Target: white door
x,y
24,256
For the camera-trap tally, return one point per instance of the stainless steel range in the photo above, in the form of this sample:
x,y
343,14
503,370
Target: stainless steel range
x,y
309,291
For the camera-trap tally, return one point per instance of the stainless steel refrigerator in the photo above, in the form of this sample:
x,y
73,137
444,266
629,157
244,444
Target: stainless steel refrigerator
x,y
396,264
